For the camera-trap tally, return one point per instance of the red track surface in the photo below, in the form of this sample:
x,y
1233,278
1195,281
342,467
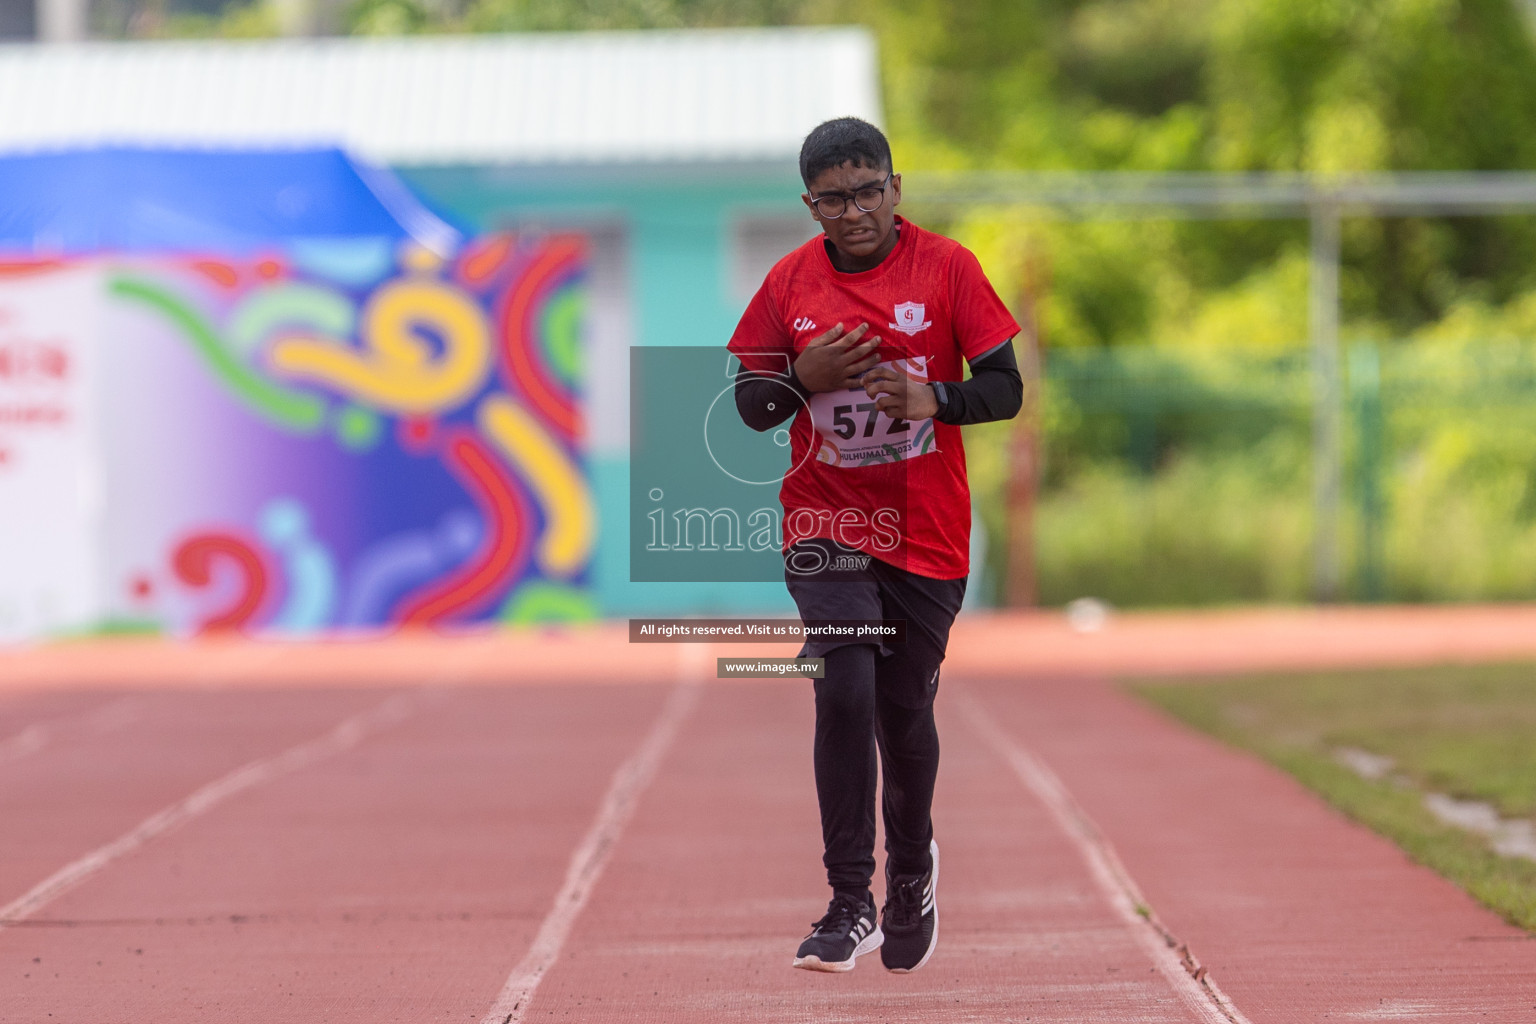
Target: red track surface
x,y
404,874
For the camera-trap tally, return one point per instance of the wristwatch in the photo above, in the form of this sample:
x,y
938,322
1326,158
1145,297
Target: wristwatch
x,y
941,394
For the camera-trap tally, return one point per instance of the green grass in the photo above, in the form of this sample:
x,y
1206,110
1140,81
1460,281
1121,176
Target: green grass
x,y
110,627
1468,731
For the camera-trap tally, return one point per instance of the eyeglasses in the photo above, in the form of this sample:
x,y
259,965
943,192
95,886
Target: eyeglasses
x,y
834,204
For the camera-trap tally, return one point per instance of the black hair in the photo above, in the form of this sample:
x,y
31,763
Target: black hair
x,y
843,140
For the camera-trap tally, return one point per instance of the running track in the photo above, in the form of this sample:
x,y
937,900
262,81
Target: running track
x,y
574,829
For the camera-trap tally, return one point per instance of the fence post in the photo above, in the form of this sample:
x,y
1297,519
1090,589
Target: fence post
x,y
1365,397
1327,411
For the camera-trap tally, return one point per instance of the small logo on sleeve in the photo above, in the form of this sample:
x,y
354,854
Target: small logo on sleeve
x,y
909,318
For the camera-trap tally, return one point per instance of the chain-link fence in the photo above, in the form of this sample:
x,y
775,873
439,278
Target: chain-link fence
x,y
1185,477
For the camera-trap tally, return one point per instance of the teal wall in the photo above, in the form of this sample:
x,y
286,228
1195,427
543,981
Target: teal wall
x,y
677,224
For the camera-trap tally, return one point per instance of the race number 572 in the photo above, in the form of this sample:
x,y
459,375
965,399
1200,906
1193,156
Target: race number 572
x,y
843,424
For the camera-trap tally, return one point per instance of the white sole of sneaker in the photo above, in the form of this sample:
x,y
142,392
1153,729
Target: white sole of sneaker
x,y
933,940
871,942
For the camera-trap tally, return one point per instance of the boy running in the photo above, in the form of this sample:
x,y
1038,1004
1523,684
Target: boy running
x,y
858,335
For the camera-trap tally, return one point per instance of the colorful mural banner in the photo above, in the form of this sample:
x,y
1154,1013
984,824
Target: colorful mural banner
x,y
345,436
50,500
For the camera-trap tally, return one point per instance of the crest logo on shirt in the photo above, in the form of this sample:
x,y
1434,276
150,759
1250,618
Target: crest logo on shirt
x,y
805,323
909,318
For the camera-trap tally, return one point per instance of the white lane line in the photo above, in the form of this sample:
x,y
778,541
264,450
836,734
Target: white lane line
x,y
591,856
1173,960
29,741
38,735
347,734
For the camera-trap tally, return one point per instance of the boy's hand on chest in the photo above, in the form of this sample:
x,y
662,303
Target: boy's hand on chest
x,y
833,361
898,395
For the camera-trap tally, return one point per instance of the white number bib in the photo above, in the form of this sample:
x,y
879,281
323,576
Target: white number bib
x,y
854,433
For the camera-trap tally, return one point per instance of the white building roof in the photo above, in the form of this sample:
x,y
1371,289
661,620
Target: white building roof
x,y
710,95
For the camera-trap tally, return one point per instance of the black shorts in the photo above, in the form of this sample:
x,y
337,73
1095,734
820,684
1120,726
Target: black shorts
x,y
847,584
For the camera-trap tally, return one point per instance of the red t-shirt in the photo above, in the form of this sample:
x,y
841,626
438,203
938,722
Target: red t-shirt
x,y
893,489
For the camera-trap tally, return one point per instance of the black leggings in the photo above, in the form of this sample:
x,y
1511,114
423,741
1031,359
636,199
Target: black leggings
x,y
853,722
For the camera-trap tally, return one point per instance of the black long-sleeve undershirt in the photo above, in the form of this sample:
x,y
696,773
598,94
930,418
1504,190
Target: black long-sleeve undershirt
x,y
766,400
994,392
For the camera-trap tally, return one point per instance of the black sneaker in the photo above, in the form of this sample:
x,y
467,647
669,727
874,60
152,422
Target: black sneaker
x,y
911,918
847,932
